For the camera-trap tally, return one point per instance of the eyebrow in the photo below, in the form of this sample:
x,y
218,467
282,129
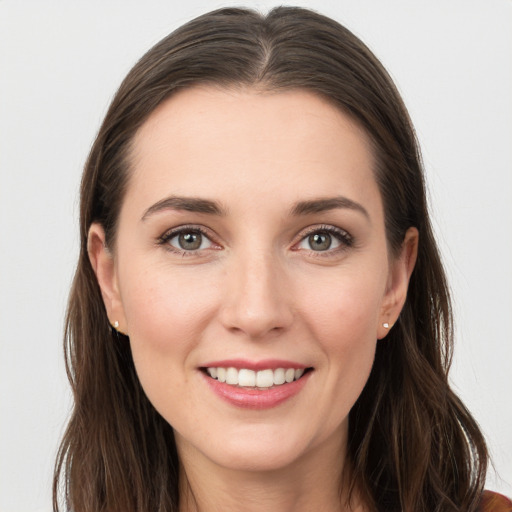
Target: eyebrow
x,y
328,203
207,206
188,204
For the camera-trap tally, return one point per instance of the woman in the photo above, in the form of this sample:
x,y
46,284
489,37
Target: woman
x,y
260,318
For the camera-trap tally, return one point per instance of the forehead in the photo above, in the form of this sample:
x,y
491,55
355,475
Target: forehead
x,y
210,112
211,141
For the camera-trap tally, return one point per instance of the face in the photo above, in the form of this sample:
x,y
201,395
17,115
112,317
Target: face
x,y
251,249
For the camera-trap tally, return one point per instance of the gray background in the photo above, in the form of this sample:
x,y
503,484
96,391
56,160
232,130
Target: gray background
x,y
60,63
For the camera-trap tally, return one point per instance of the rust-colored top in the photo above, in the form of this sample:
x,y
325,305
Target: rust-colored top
x,y
494,502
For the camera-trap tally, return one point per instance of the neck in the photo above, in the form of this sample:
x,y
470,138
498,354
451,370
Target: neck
x,y
318,481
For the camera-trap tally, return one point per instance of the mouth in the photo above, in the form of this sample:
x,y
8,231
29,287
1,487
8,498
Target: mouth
x,y
263,379
258,385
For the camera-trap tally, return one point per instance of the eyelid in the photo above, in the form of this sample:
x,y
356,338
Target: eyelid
x,y
186,228
344,237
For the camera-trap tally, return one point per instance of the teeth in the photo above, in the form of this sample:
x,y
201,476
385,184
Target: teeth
x,y
232,376
221,374
279,377
249,378
265,379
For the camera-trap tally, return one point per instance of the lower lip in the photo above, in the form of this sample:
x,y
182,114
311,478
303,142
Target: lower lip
x,y
250,398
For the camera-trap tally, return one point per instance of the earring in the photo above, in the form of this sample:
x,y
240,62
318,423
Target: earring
x,y
385,325
115,326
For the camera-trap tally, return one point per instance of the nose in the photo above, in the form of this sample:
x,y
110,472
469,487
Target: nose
x,y
257,300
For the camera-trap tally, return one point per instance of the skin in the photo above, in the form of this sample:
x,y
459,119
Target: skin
x,y
256,289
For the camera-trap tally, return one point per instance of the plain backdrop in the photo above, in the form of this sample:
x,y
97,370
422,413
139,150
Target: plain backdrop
x,y
61,62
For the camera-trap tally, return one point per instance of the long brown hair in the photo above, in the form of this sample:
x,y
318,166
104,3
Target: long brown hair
x,y
413,446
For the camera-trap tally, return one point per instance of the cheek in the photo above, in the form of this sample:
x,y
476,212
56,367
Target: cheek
x,y
166,310
348,338
167,314
343,318
344,309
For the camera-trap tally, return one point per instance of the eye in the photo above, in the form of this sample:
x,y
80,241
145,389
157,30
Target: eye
x,y
187,240
320,241
325,239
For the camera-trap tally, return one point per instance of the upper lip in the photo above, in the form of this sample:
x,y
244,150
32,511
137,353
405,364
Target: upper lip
x,y
263,364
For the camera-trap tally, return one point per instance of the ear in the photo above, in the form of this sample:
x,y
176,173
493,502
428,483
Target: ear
x,y
103,264
400,271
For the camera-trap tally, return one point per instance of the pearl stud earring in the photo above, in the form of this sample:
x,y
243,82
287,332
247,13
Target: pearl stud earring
x,y
385,325
116,324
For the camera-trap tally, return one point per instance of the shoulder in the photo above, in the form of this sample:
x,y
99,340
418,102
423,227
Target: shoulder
x,y
494,502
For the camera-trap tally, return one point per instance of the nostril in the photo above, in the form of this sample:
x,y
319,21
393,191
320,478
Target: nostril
x,y
257,322
256,301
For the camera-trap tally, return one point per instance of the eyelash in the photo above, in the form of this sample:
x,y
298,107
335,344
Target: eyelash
x,y
169,235
343,237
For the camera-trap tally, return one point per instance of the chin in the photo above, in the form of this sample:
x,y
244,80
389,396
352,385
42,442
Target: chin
x,y
269,448
256,449
264,460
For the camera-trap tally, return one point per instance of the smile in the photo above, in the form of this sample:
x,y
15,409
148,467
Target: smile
x,y
257,385
262,379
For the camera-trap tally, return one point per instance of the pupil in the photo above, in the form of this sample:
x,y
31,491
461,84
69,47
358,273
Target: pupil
x,y
190,241
320,241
